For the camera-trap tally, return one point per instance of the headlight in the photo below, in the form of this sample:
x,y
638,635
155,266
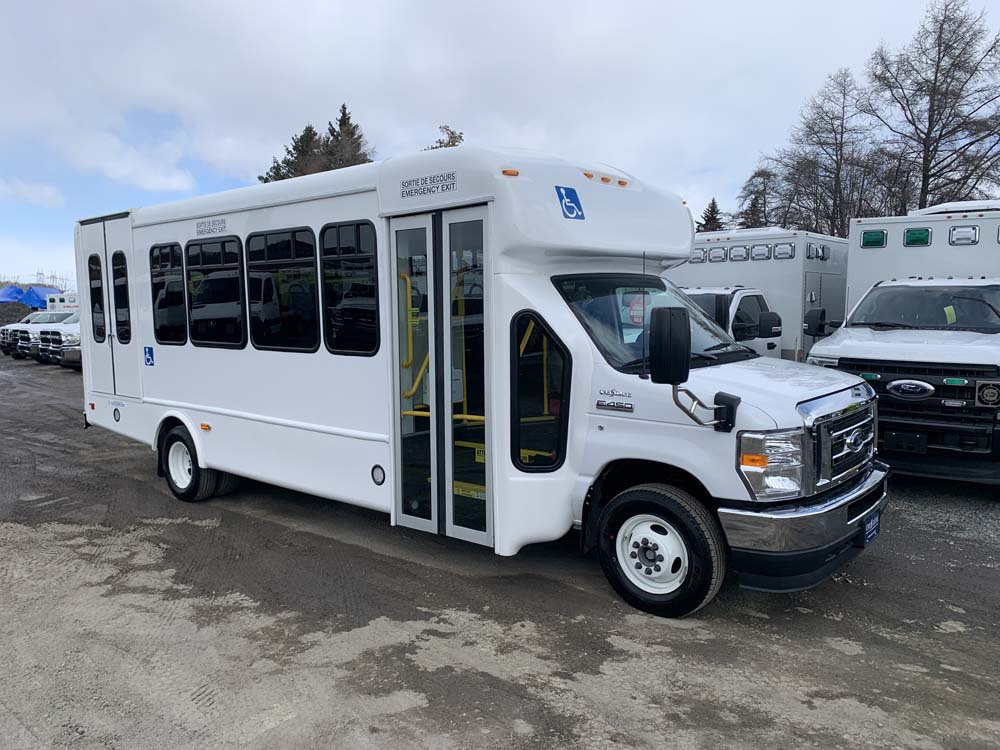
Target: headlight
x,y
71,340
816,359
772,463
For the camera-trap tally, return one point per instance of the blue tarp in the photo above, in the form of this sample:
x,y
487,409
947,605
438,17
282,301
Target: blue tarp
x,y
11,294
37,296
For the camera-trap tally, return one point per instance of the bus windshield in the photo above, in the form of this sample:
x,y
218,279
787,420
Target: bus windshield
x,y
973,307
615,310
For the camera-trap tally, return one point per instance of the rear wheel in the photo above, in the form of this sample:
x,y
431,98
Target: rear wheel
x,y
186,480
228,483
661,550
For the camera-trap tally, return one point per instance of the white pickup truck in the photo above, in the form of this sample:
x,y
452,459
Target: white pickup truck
x,y
23,338
59,344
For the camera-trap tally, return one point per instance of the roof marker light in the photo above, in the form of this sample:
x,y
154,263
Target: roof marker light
x,y
605,178
510,172
589,175
623,183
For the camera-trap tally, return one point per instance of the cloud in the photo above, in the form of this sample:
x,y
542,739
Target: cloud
x,y
21,259
31,192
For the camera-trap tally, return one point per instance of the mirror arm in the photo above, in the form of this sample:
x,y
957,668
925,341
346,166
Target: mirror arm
x,y
695,403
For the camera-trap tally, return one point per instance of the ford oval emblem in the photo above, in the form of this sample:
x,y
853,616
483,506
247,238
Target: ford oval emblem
x,y
855,441
912,390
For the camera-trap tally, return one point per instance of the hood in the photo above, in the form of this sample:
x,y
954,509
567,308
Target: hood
x,y
968,347
775,386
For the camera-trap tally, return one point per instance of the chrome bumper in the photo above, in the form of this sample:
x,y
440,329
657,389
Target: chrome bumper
x,y
806,527
69,356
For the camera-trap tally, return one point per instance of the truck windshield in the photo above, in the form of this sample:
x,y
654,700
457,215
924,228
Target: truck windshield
x,y
51,317
931,307
615,310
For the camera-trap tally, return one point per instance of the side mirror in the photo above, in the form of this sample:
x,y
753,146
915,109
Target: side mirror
x,y
770,325
669,345
815,322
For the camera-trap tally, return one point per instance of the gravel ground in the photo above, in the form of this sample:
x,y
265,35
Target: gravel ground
x,y
271,619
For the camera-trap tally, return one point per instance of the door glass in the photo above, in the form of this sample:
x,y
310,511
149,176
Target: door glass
x,y
468,448
746,321
96,297
415,380
119,279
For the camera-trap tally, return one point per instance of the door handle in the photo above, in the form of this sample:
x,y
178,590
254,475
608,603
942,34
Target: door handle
x,y
771,345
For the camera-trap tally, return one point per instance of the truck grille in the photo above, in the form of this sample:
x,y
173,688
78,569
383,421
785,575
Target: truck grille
x,y
24,341
845,444
949,418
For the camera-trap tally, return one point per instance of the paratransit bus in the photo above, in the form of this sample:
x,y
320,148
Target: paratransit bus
x,y
481,344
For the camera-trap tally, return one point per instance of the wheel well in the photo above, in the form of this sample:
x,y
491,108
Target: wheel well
x,y
619,475
165,426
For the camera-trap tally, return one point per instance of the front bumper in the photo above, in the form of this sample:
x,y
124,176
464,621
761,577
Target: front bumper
x,y
797,547
70,356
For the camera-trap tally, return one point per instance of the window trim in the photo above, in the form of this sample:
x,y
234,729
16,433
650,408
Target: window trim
x,y
321,280
770,251
114,298
930,236
744,259
241,267
951,235
861,239
698,255
515,433
774,250
316,269
160,246
90,301
725,254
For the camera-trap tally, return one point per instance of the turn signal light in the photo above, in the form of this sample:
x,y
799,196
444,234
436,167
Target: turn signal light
x,y
510,172
756,460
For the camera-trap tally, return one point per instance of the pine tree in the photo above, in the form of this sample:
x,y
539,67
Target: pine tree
x,y
345,143
449,137
303,156
752,216
711,218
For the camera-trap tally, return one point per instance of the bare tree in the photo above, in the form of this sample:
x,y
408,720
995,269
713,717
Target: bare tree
x,y
939,100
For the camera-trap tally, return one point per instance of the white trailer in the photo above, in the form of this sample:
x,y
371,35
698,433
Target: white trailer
x,y
450,338
795,272
924,330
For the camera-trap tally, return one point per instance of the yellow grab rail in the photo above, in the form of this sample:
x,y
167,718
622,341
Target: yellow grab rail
x,y
409,323
420,376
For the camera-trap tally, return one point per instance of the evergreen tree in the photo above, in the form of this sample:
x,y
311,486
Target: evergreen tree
x,y
304,156
449,137
711,218
752,216
345,143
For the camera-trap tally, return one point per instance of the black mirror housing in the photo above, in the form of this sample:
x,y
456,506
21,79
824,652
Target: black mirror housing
x,y
669,345
815,322
770,325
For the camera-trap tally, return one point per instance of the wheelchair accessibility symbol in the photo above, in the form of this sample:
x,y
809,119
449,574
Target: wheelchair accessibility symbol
x,y
570,203
148,355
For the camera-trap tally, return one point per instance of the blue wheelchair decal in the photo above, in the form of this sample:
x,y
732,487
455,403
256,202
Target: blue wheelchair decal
x,y
569,201
148,355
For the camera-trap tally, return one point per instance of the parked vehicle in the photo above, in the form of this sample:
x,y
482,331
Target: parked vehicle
x,y
23,338
62,301
924,331
743,313
8,335
461,356
53,339
791,272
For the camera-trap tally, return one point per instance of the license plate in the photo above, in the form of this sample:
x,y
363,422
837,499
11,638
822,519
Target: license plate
x,y
909,442
872,525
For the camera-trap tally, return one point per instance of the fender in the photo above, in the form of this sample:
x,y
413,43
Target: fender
x,y
192,431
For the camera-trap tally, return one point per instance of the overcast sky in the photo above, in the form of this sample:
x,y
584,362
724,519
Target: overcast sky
x,y
109,106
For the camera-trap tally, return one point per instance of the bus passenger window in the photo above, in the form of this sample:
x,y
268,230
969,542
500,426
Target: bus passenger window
x,y
540,404
350,288
166,275
96,298
119,286
281,278
215,294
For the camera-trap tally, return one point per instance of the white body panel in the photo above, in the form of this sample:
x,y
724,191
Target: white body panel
x,y
319,422
792,286
64,301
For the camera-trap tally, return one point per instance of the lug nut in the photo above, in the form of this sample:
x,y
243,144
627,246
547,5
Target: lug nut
x,y
655,546
638,565
645,541
659,558
635,545
656,568
633,555
648,571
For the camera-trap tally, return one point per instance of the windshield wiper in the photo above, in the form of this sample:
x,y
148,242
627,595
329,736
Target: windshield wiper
x,y
643,360
877,324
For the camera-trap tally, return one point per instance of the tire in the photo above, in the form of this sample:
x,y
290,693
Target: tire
x,y
655,522
17,355
228,483
186,480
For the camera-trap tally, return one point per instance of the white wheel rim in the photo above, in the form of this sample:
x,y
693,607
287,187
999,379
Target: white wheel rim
x,y
179,465
659,551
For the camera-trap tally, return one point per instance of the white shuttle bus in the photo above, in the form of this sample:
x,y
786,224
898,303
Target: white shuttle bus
x,y
451,338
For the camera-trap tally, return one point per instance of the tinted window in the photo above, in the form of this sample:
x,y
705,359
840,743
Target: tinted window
x,y
96,298
350,288
284,303
119,283
166,276
974,307
215,294
540,402
746,319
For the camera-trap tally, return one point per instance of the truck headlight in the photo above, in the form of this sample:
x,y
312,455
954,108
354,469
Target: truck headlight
x,y
821,361
772,463
71,340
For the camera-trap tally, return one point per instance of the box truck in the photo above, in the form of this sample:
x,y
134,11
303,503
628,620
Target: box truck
x,y
476,343
736,275
924,332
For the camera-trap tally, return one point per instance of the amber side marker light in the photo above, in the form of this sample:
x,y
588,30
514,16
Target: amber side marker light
x,y
589,175
605,179
623,183
510,173
756,460
206,426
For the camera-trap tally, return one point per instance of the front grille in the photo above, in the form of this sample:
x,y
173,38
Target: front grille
x,y
844,443
949,418
24,340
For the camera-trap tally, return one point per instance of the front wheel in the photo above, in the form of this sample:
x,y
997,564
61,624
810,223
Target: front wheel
x,y
661,550
186,480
